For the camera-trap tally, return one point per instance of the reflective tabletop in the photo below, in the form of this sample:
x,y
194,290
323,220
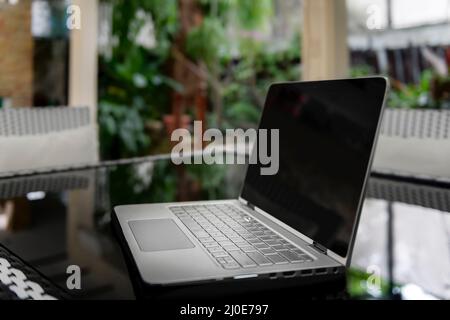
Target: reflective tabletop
x,y
62,218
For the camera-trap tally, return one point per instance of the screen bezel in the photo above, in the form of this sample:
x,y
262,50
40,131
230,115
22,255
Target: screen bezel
x,y
345,260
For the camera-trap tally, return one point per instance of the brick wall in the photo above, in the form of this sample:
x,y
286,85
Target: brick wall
x,y
16,53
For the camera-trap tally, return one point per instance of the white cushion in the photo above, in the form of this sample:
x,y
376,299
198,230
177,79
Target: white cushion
x,y
413,156
45,151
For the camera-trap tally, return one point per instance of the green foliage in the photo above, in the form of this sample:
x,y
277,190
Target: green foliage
x,y
361,71
133,85
252,16
143,183
244,79
158,181
357,284
243,111
127,23
414,95
212,178
206,41
219,9
250,78
164,183
121,130
165,19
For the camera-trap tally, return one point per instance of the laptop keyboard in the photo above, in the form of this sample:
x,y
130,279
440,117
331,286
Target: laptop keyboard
x,y
236,240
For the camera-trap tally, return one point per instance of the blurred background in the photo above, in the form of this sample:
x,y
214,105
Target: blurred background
x,y
147,67
142,68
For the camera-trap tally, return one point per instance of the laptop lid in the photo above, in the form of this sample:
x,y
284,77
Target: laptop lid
x,y
327,135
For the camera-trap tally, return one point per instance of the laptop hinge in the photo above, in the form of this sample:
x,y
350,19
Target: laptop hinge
x,y
251,206
319,248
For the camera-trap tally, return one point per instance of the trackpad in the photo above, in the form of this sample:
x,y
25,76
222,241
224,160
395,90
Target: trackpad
x,y
159,235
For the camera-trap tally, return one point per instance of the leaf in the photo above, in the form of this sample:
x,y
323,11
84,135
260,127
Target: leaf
x,y
204,42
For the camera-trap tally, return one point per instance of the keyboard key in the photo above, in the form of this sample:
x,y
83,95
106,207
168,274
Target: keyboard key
x,y
231,265
306,258
248,249
242,259
245,234
273,242
229,259
215,234
225,243
259,258
277,259
227,232
202,234
261,246
267,251
242,244
278,247
231,248
220,254
193,227
291,256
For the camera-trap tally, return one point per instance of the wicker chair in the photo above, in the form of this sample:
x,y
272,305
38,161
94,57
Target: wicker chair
x,y
44,138
415,143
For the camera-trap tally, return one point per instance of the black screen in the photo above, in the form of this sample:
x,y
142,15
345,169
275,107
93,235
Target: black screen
x,y
326,135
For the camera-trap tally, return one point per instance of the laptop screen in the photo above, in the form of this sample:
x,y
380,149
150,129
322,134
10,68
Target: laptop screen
x,y
326,135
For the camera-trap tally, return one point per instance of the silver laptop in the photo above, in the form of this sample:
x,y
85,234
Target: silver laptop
x,y
299,222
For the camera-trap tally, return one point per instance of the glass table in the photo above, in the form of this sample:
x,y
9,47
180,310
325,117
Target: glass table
x,y
53,220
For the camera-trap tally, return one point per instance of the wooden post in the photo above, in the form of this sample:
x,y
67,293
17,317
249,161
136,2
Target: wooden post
x,y
83,63
16,54
324,49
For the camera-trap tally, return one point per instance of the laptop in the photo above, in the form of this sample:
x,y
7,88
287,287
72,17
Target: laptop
x,y
299,222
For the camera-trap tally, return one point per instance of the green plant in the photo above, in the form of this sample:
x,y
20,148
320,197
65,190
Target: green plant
x,y
239,82
122,130
414,95
133,83
249,79
134,78
143,183
212,178
205,42
361,70
432,91
253,16
357,284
